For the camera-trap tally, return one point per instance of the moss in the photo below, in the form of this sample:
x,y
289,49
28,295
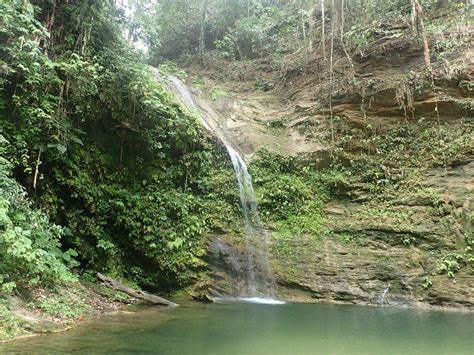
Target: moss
x,y
107,292
345,238
217,93
387,164
292,194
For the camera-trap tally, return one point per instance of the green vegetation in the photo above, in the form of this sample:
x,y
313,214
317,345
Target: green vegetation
x,y
101,147
30,249
101,170
62,306
218,93
387,165
224,211
451,263
11,326
427,283
292,193
242,30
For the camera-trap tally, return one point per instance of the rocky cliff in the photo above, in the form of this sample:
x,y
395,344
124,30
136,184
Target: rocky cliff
x,y
398,230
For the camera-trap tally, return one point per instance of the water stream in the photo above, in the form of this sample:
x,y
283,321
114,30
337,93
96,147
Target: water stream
x,y
260,281
382,298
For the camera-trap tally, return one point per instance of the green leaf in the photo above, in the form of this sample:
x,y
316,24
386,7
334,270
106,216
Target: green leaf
x,y
77,140
59,147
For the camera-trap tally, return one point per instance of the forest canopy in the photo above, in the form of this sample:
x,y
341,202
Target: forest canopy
x,y
243,29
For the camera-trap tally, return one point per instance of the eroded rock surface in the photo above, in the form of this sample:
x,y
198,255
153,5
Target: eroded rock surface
x,y
409,250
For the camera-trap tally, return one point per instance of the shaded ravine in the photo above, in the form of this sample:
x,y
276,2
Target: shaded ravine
x,y
259,277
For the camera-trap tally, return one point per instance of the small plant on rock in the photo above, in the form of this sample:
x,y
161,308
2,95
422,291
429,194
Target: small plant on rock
x,y
450,264
427,283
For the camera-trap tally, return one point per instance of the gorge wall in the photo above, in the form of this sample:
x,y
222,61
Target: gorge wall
x,y
397,229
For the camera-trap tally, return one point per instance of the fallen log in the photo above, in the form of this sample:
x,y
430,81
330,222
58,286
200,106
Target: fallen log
x,y
142,295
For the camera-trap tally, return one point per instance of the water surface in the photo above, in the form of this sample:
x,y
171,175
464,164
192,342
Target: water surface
x,y
248,328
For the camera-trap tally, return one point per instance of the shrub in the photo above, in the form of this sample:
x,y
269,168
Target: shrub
x,y
30,248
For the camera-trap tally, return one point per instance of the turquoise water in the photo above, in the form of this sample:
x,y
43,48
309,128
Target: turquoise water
x,y
247,328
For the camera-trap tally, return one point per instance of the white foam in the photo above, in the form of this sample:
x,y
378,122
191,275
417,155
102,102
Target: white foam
x,y
261,300
258,300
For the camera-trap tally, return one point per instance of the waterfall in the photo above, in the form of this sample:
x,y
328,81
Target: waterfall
x,y
381,299
182,91
260,281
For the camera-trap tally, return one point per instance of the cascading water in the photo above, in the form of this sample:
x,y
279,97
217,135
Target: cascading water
x,y
381,299
182,91
260,281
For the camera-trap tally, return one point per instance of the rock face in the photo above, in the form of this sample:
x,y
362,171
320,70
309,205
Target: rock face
x,y
409,250
396,257
412,251
231,272
227,266
392,256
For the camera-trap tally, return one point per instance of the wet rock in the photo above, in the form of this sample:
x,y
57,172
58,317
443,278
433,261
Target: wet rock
x,y
391,259
361,256
202,297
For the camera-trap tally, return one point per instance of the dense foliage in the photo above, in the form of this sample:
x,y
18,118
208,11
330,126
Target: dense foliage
x,y
100,146
30,244
246,29
101,170
292,192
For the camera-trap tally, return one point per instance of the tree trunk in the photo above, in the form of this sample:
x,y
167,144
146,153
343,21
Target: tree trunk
x,y
38,162
311,29
323,30
145,296
303,25
342,35
417,15
240,54
331,72
202,40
